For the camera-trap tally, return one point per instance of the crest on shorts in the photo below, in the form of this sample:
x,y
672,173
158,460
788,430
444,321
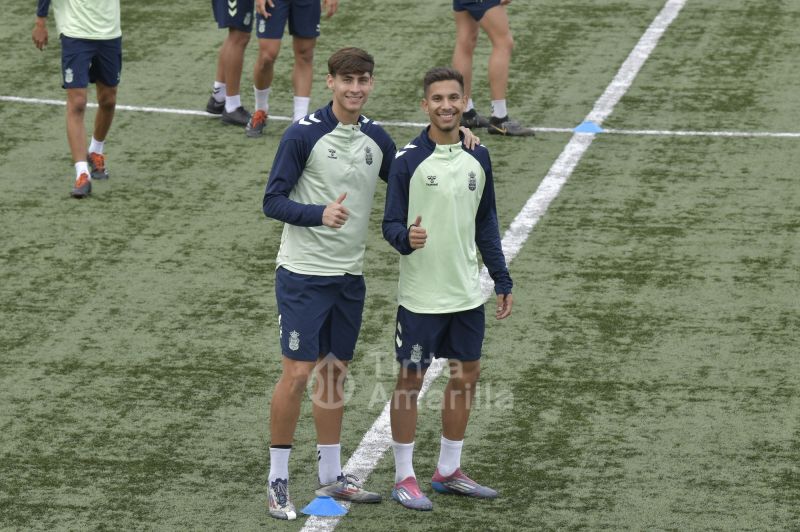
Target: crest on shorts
x,y
68,77
262,25
247,19
368,155
294,340
472,181
416,353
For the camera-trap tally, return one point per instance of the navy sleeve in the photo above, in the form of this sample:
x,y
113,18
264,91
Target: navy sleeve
x,y
389,150
286,170
395,213
487,235
43,8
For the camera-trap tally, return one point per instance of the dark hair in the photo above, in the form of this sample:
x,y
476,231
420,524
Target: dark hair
x,y
441,74
350,61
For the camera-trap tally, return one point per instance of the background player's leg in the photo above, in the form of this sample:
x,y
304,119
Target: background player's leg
x,y
106,105
302,74
76,130
466,40
495,23
232,56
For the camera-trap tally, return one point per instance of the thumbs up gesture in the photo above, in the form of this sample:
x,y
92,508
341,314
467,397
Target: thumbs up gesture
x,y
335,214
417,234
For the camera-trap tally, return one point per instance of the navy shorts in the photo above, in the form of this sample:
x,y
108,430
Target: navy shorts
x,y
476,8
303,17
419,338
319,314
85,61
239,17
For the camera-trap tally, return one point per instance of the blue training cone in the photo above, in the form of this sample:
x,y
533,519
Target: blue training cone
x,y
588,127
324,507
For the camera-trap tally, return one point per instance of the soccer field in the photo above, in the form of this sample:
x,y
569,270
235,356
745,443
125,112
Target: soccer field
x,y
648,379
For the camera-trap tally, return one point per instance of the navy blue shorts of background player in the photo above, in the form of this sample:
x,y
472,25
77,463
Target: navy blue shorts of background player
x,y
303,17
239,17
419,338
476,8
319,314
85,61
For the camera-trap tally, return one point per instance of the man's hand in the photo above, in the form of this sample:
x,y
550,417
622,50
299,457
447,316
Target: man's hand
x,y
417,234
335,214
504,304
330,7
261,7
470,139
40,33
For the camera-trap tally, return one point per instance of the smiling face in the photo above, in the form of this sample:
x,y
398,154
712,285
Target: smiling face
x,y
444,104
350,93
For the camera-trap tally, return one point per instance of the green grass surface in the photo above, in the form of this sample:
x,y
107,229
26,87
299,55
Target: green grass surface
x,y
648,379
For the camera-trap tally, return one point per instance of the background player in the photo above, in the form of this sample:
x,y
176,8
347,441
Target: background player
x,y
491,15
439,205
225,100
303,17
91,52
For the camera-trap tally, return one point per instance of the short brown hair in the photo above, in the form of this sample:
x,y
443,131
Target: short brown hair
x,y
350,61
441,74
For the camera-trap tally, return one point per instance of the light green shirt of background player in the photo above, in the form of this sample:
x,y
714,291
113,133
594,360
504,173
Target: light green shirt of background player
x,y
88,19
447,267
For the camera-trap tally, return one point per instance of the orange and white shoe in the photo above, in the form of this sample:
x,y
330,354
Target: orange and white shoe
x,y
256,124
97,166
82,187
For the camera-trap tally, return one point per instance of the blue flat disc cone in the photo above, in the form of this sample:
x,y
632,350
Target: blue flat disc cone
x,y
324,507
588,127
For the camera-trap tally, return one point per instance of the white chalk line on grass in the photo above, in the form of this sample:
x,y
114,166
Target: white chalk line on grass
x,y
378,439
279,118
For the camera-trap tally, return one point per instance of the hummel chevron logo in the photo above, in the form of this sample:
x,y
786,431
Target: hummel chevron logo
x,y
406,147
232,8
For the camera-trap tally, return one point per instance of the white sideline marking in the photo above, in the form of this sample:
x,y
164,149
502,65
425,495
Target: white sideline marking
x,y
656,132
279,118
378,439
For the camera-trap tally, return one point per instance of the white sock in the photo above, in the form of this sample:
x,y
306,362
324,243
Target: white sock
x,y
403,458
278,463
219,92
262,98
330,465
232,103
96,146
301,104
499,109
470,106
449,456
81,167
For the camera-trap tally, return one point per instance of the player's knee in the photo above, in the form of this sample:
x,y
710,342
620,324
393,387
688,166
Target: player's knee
x,y
296,378
76,103
239,38
410,381
505,43
107,101
465,376
304,55
266,57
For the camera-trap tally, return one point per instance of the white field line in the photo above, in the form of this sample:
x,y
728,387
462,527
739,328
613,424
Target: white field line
x,y
279,118
378,439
